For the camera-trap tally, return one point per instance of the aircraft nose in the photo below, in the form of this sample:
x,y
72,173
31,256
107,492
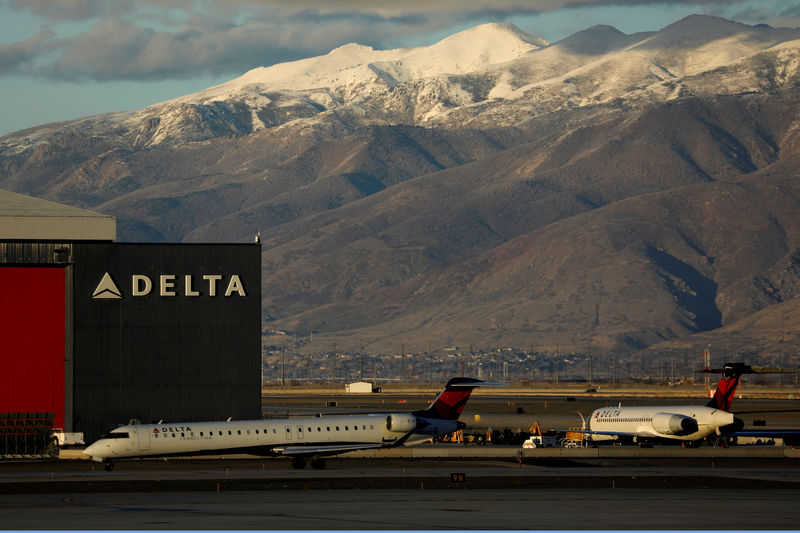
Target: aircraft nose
x,y
93,450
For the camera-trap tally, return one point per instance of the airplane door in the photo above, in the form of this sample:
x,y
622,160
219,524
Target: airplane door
x,y
288,432
299,432
144,439
134,442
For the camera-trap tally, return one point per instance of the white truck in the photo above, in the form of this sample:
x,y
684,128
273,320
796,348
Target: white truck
x,y
67,439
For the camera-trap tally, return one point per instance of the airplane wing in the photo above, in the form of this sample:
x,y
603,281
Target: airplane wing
x,y
332,449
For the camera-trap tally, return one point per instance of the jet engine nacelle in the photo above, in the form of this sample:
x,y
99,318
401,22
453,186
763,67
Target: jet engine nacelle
x,y
672,424
401,423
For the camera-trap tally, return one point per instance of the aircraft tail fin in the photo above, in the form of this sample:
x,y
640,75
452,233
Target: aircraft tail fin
x,y
451,401
723,396
731,373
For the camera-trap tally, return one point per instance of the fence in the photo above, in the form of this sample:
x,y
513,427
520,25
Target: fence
x,y
25,435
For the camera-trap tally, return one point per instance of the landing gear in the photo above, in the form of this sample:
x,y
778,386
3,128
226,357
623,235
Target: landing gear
x,y
317,463
108,465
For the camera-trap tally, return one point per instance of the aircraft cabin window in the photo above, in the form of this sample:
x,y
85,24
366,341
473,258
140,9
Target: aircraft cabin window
x,y
364,428
337,428
345,428
300,429
371,426
238,431
274,430
229,432
310,430
201,433
329,428
248,431
220,433
319,428
355,427
256,432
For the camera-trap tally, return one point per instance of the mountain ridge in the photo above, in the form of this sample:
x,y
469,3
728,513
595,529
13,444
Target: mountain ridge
x,y
603,190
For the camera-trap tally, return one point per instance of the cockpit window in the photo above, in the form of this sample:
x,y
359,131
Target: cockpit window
x,y
117,435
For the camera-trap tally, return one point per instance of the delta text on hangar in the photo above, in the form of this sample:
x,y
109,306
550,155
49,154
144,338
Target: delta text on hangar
x,y
100,332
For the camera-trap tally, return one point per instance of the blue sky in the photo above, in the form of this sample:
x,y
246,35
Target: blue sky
x,y
63,59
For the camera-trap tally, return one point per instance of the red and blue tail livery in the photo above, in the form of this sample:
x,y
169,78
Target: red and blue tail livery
x,y
451,401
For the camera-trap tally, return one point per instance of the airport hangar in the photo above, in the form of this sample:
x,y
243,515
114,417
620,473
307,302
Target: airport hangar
x,y
100,332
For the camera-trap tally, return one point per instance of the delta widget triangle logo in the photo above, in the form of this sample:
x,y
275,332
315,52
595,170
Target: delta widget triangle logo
x,y
107,289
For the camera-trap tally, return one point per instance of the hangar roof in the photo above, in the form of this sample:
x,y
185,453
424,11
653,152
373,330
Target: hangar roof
x,y
27,218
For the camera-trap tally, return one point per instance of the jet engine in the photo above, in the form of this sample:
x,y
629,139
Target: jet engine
x,y
401,423
672,424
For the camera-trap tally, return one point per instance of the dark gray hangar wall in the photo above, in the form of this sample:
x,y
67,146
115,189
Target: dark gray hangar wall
x,y
186,348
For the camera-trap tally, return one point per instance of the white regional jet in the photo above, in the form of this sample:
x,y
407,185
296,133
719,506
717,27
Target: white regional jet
x,y
300,438
689,423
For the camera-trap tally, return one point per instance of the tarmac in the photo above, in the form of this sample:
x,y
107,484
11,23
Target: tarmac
x,y
431,466
566,489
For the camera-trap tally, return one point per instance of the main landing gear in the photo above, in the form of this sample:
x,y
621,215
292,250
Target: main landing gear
x,y
317,463
108,465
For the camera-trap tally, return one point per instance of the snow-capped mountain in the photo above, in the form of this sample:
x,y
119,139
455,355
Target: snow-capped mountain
x,y
493,74
619,190
490,74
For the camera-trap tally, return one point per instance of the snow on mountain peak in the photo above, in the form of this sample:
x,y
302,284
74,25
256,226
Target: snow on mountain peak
x,y
471,50
351,48
357,65
481,73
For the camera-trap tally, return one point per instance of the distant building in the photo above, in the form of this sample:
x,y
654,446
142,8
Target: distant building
x,y
359,387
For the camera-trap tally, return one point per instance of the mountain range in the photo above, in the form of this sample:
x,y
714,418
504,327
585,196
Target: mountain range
x,y
611,192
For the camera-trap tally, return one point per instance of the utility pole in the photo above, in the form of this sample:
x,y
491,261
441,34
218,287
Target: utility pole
x,y
403,362
429,361
589,349
283,365
333,364
555,368
614,371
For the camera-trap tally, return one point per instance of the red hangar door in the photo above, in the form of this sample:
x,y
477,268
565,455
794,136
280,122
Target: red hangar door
x,y
32,340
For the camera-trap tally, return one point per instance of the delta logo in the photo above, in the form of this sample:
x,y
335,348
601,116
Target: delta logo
x,y
168,285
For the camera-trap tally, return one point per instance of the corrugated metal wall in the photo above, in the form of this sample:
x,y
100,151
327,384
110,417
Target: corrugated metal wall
x,y
183,355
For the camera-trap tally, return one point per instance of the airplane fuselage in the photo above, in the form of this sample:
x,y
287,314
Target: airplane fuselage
x,y
289,436
680,422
